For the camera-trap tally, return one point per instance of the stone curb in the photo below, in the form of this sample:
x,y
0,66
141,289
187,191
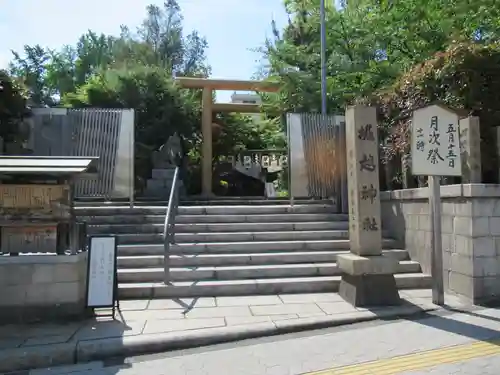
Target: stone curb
x,y
37,356
99,349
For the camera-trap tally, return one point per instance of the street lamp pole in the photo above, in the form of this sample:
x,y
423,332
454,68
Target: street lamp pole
x,y
323,56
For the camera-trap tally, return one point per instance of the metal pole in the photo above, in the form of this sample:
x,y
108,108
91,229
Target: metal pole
x,y
436,241
289,160
323,56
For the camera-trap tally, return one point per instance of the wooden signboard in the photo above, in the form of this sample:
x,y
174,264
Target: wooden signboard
x,y
33,202
29,239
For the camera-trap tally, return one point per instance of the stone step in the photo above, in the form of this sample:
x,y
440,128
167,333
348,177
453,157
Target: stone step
x,y
242,247
123,219
160,185
160,193
145,238
115,210
162,174
223,201
261,218
207,210
154,275
230,259
253,202
218,228
318,284
194,219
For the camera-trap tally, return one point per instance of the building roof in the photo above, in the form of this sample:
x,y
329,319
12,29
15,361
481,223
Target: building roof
x,y
47,165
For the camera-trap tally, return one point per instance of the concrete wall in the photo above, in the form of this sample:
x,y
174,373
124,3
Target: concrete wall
x,y
42,287
470,230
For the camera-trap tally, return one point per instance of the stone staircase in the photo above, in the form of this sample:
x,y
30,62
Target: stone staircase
x,y
234,247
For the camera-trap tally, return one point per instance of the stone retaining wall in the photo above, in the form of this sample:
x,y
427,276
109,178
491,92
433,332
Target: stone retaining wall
x,y
470,229
42,287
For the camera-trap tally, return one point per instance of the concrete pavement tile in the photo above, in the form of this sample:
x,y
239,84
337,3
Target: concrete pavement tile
x,y
39,330
12,331
181,303
310,298
488,313
161,326
140,304
92,367
422,302
248,300
109,329
310,315
130,316
242,320
219,312
54,329
11,343
292,308
416,293
46,340
332,308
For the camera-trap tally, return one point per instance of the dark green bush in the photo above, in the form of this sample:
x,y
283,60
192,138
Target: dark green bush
x,y
466,78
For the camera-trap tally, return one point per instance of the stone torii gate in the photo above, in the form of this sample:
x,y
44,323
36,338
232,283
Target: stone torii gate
x,y
208,107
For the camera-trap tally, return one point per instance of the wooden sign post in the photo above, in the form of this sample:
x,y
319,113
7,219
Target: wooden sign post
x,y
435,152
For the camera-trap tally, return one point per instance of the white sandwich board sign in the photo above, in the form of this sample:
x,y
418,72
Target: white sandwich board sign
x,y
435,143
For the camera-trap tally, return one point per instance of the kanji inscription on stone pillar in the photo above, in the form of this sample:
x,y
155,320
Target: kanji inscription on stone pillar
x,y
367,275
363,181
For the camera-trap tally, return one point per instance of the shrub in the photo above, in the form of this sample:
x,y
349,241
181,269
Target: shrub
x,y
465,77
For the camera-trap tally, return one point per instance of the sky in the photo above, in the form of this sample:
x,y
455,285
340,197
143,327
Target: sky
x,y
232,27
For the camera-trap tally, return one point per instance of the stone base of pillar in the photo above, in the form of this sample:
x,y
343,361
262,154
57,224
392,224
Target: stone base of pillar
x,y
369,290
368,281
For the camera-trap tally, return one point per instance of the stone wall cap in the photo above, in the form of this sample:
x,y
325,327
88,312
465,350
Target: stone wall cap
x,y
447,191
27,259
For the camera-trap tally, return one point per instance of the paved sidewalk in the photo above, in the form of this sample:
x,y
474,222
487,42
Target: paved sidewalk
x,y
148,326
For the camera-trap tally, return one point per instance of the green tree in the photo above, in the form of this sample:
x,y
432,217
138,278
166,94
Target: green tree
x,y
161,107
12,108
135,70
370,43
31,71
159,42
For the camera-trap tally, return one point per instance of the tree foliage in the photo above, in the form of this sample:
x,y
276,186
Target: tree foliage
x,y
158,42
12,108
135,70
161,108
398,55
370,43
465,78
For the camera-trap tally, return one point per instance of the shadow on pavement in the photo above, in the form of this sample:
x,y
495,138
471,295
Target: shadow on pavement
x,y
470,329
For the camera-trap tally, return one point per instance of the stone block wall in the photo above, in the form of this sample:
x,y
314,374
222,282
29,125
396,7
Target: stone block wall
x,y
41,287
470,234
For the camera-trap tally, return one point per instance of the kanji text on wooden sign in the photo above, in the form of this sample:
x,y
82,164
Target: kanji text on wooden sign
x,y
435,142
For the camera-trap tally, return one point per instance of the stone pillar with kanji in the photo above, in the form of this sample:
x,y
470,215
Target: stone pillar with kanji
x,y
367,275
470,149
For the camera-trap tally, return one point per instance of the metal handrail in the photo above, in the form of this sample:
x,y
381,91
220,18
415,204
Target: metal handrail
x,y
169,226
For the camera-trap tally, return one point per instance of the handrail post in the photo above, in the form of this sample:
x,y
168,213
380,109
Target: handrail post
x,y
169,225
